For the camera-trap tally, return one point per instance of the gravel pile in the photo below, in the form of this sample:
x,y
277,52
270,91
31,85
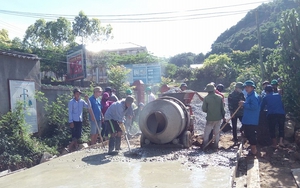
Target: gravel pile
x,y
200,116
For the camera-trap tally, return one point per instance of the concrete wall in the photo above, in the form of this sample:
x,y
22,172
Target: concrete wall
x,y
16,69
51,93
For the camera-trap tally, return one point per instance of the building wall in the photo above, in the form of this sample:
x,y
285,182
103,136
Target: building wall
x,y
15,68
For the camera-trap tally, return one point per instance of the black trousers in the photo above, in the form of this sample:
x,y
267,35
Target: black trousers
x,y
234,125
273,121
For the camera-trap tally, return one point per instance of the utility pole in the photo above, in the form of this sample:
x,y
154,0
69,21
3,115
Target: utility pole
x,y
262,66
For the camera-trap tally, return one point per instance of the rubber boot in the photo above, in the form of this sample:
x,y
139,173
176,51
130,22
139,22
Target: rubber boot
x,y
111,145
118,143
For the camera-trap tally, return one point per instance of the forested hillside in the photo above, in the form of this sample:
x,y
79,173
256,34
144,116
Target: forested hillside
x,y
243,35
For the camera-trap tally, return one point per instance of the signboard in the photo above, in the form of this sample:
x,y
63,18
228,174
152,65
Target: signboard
x,y
148,73
76,64
24,91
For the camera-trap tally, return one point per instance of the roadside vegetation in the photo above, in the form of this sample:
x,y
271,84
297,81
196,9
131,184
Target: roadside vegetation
x,y
234,57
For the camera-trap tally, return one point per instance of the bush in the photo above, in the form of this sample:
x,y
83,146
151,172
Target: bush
x,y
18,148
58,133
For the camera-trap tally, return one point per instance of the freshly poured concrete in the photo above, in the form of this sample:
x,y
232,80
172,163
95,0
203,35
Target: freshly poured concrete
x,y
93,168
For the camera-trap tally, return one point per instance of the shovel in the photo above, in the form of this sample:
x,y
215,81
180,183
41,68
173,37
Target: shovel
x,y
122,126
213,138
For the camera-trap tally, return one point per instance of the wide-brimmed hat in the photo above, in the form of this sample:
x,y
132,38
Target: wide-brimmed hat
x,y
250,83
239,85
210,87
76,90
266,82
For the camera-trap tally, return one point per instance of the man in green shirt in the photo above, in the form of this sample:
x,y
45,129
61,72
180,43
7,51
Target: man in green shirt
x,y
214,108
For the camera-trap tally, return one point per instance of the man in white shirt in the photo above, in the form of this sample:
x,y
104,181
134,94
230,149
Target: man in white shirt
x,y
149,95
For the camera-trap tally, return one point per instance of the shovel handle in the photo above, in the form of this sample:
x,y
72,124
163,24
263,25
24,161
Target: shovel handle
x,y
223,126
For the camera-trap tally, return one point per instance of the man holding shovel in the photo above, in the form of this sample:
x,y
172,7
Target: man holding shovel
x,y
97,116
114,118
214,108
75,107
233,104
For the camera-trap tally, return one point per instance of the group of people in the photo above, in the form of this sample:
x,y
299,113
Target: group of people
x,y
245,108
109,117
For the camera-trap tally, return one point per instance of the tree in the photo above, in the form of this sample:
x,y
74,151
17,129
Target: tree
x,y
59,31
184,59
117,79
183,73
4,39
288,57
198,59
35,35
170,70
218,69
289,35
50,34
89,30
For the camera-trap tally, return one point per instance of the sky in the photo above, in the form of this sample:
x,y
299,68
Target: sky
x,y
162,38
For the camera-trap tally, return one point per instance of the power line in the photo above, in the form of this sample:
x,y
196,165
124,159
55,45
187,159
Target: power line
x,y
156,19
126,15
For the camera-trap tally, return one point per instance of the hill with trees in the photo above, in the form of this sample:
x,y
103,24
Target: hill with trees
x,y
243,35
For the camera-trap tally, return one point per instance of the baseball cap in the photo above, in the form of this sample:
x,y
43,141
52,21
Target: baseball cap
x,y
76,90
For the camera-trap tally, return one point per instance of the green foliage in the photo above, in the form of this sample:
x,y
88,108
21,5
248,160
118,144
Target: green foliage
x,y
165,81
218,69
90,29
18,148
117,79
288,59
243,36
250,73
170,70
184,59
4,39
183,73
57,133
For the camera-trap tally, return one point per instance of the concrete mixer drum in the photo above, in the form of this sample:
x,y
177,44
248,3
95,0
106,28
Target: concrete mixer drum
x,y
167,120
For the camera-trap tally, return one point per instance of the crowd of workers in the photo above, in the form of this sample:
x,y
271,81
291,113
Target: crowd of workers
x,y
109,117
245,105
114,117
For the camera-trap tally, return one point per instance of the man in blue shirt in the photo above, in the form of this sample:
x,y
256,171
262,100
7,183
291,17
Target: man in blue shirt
x,y
95,120
275,114
75,107
251,115
114,117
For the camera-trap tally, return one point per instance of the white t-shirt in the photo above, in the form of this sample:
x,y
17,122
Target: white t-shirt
x,y
150,97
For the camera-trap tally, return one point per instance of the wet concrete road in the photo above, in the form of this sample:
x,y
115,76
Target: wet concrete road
x,y
93,168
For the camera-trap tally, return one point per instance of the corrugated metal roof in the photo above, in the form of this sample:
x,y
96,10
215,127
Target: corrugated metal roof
x,y
19,55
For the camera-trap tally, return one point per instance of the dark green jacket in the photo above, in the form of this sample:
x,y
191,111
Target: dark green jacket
x,y
214,107
233,102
